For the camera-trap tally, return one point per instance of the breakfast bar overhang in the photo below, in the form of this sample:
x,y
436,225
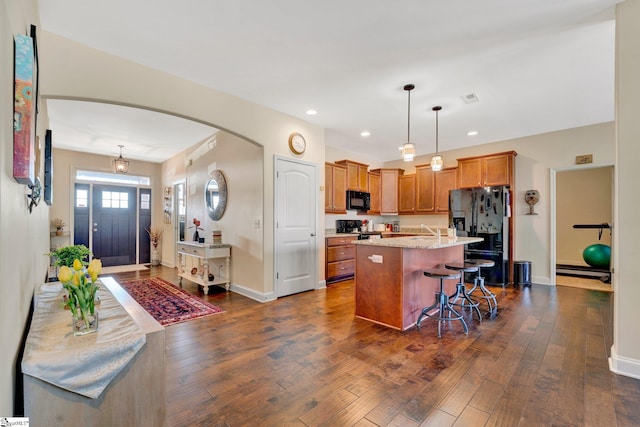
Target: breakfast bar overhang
x,y
390,287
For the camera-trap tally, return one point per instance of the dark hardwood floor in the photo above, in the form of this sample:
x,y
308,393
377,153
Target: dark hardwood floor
x,y
304,360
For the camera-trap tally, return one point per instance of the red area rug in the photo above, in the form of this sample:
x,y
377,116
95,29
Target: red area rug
x,y
166,302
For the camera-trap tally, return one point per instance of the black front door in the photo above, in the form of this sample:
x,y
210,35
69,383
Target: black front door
x,y
114,224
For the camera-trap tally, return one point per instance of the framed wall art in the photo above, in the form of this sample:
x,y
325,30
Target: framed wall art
x,y
25,108
48,168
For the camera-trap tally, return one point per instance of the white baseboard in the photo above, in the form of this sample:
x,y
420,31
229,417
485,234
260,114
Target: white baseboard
x,y
541,280
321,285
250,293
624,365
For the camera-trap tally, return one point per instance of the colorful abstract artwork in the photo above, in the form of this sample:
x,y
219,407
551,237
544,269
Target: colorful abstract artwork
x,y
24,111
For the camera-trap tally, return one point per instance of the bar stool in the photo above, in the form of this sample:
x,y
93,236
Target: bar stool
x,y
478,283
461,289
442,300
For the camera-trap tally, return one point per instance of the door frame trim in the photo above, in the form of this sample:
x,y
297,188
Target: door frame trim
x,y
276,160
553,212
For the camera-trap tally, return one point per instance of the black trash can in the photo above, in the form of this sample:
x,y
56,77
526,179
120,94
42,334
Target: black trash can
x,y
522,273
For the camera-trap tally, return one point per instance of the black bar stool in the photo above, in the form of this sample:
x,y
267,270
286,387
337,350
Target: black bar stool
x,y
478,283
461,289
442,300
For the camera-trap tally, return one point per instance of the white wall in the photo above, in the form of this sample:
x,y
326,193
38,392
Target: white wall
x,y
72,70
625,352
24,236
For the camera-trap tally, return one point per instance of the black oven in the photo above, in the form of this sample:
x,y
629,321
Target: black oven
x,y
358,200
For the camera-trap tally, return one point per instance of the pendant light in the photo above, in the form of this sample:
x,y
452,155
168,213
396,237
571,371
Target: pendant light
x,y
120,165
408,151
436,161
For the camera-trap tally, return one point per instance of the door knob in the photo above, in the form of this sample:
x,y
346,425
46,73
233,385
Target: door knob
x,y
313,234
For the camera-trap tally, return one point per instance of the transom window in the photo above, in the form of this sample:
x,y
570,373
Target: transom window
x,y
115,199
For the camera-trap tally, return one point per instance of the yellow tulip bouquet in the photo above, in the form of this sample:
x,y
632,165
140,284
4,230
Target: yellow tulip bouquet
x,y
81,289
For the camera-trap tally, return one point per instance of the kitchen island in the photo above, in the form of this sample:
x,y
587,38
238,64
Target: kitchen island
x,y
390,287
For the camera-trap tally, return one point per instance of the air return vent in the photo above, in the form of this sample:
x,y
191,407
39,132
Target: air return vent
x,y
470,98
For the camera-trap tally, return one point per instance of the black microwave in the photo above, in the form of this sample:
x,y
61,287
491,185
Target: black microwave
x,y
358,200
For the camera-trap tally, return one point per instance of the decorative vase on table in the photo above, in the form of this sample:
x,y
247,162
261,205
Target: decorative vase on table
x,y
81,285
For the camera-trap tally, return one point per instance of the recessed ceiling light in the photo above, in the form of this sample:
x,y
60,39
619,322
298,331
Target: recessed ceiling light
x,y
311,112
472,133
365,133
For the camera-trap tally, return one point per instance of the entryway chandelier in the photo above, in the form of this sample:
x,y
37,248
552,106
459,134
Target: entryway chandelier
x,y
120,165
436,161
408,150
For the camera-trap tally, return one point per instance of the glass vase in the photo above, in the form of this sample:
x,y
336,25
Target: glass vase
x,y
82,325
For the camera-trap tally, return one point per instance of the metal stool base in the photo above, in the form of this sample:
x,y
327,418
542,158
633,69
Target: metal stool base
x,y
444,308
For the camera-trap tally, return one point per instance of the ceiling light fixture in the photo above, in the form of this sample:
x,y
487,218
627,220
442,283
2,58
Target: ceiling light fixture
x,y
311,112
120,165
436,161
365,133
408,150
472,133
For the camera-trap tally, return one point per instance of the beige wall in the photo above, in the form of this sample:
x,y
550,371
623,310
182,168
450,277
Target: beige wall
x,y
24,236
625,352
241,164
583,196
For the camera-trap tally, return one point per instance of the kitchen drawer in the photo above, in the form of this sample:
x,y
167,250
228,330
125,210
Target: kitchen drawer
x,y
340,268
341,253
337,241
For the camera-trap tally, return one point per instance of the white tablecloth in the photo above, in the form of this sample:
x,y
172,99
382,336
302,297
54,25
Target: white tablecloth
x,y
84,364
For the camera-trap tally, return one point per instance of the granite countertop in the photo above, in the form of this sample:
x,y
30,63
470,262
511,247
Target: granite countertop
x,y
419,242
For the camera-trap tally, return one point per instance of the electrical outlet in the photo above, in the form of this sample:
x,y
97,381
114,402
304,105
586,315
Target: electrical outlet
x,y
376,258
256,224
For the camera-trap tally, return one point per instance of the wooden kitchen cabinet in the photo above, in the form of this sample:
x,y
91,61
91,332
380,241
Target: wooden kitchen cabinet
x,y
374,191
357,178
445,180
425,189
486,171
389,190
407,194
335,183
340,258
432,189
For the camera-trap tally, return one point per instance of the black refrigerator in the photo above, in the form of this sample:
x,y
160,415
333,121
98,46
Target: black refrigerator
x,y
484,212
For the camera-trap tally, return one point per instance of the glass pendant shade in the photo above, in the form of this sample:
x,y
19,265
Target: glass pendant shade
x,y
436,163
408,152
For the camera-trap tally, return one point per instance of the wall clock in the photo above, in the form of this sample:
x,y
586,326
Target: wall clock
x,y
297,143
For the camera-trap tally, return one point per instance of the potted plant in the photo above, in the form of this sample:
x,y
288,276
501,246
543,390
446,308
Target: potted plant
x,y
59,224
65,255
155,233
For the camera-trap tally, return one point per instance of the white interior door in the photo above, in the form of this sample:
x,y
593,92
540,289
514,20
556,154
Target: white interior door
x,y
295,229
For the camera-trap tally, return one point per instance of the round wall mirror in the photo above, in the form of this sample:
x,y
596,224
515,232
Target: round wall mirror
x,y
215,195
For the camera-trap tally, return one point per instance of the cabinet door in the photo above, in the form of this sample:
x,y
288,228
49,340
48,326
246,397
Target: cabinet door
x,y
363,178
328,187
389,191
496,170
424,190
374,190
356,175
470,173
407,194
339,189
445,180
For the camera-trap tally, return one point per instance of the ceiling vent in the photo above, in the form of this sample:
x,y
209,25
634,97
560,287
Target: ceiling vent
x,y
470,98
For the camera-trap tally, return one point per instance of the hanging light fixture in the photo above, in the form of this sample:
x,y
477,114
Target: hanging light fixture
x,y
436,161
408,150
120,165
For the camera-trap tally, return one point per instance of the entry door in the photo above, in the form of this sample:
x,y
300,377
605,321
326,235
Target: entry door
x,y
295,231
114,224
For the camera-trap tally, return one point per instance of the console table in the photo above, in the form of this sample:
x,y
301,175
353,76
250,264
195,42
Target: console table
x,y
135,396
203,253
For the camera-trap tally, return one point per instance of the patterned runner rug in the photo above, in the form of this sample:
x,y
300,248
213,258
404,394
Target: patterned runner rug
x,y
166,302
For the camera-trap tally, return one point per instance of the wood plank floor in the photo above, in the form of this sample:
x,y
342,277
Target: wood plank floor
x,y
304,360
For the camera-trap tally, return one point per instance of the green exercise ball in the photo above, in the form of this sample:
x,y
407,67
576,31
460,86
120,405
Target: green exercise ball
x,y
597,255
